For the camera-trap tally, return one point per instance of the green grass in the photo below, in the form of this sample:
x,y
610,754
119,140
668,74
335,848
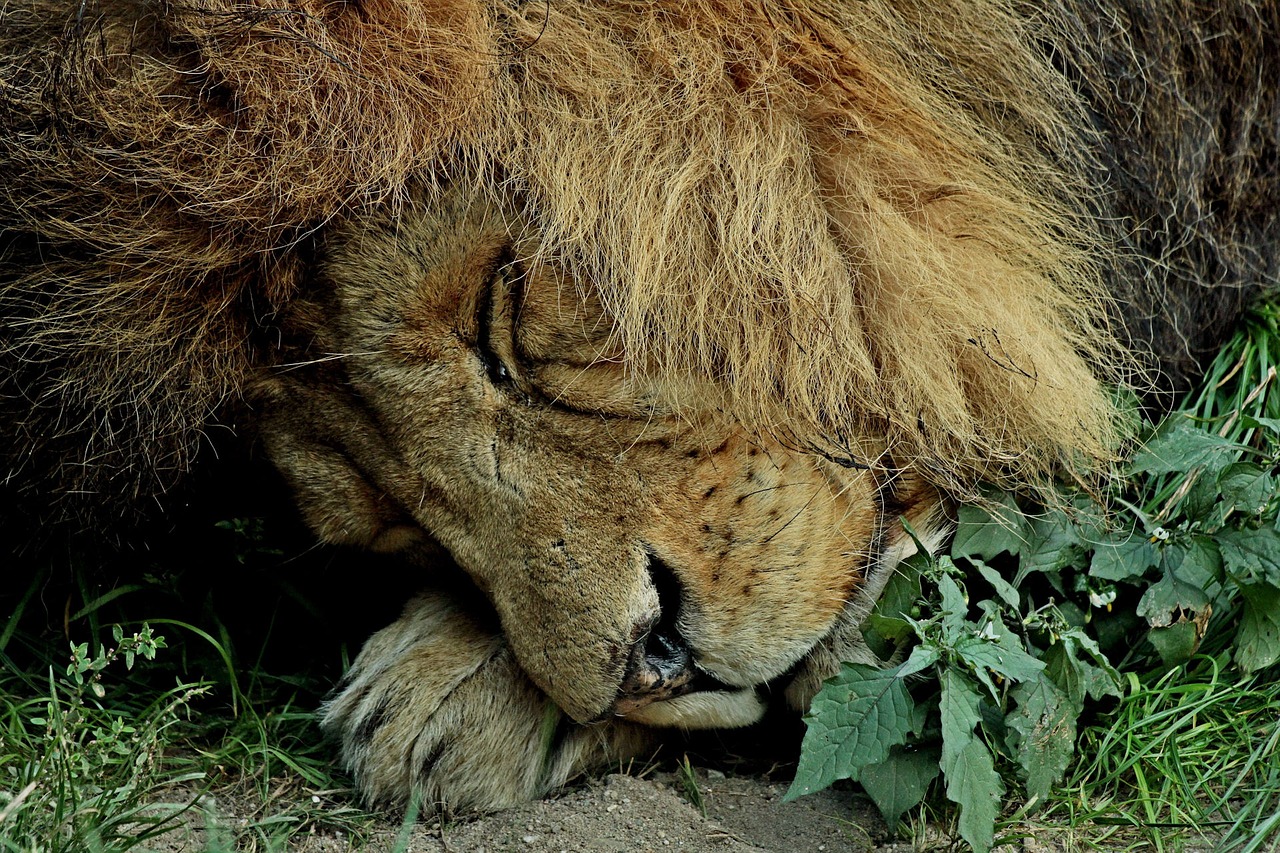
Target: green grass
x,y
1192,755
118,736
84,770
112,762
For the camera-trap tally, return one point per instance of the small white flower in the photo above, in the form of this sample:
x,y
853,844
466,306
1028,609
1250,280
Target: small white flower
x,y
1161,534
1102,599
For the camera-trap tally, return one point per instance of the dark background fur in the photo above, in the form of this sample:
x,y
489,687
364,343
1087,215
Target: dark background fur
x,y
1186,100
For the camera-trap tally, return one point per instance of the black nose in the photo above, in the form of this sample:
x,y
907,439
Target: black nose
x,y
665,653
660,665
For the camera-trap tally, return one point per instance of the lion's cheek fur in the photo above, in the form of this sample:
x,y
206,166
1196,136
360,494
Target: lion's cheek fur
x,y
770,546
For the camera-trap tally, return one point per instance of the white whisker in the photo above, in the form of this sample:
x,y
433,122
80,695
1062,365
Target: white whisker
x,y
334,356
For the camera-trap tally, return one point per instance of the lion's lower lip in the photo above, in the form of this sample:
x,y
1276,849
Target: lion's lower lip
x,y
650,687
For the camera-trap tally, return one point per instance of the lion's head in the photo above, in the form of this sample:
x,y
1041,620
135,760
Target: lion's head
x,y
636,541
662,362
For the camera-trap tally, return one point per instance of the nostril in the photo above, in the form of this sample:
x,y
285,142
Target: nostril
x,y
666,653
669,598
660,665
659,647
665,648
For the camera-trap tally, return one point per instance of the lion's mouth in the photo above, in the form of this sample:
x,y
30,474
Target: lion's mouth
x,y
661,668
662,665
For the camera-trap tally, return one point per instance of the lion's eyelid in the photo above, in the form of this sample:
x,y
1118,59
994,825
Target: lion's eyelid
x,y
497,354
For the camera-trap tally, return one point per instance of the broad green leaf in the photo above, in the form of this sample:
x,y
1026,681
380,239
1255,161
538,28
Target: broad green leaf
x,y
1052,544
1180,446
1045,721
891,632
1175,643
901,592
1178,614
1171,599
974,785
1123,556
985,531
1270,424
1008,594
853,722
1196,561
892,610
1067,671
988,656
921,658
971,780
1201,502
900,781
1101,678
1251,555
1258,639
1246,487
954,609
958,706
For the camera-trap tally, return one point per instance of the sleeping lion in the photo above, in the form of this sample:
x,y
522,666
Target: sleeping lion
x,y
656,319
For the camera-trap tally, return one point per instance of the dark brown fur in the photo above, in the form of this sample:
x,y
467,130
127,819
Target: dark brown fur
x,y
1185,101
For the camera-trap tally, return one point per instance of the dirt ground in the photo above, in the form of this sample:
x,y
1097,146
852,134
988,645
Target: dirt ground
x,y
619,814
622,814
655,813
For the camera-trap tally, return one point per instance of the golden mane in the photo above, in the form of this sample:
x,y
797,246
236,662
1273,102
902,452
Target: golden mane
x,y
840,211
830,209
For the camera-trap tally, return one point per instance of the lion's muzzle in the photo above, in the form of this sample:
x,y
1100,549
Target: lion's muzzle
x,y
661,664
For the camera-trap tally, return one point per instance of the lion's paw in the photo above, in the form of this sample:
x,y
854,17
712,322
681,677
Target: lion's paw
x,y
435,707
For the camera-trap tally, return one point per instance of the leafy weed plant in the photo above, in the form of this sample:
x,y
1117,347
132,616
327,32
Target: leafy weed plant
x,y
81,774
1153,607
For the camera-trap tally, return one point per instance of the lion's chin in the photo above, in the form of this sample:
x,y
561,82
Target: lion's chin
x,y
710,709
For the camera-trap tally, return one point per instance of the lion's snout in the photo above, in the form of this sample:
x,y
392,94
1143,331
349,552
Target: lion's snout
x,y
661,664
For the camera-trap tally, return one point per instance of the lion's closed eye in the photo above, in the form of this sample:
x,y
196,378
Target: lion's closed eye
x,y
498,314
